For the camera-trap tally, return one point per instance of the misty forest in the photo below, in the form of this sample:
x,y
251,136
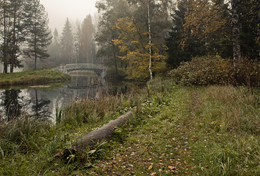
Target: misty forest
x,y
141,87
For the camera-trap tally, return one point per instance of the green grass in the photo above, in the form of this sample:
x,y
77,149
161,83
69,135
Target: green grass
x,y
176,130
191,131
36,77
30,146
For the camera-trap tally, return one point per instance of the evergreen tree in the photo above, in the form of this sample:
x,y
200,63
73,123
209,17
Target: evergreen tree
x,y
87,49
11,15
250,27
6,34
18,35
55,48
39,35
67,43
176,54
77,42
23,29
111,11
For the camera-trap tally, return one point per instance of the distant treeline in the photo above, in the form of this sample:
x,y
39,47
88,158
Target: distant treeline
x,y
75,45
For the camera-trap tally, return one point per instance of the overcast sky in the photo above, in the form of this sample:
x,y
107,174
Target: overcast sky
x,y
59,10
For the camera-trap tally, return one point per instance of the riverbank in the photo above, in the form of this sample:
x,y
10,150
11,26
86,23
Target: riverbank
x,y
176,130
30,78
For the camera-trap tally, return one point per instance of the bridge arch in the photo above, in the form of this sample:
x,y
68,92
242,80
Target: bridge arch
x,y
97,68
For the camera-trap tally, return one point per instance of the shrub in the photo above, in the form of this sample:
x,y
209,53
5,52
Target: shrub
x,y
213,70
248,73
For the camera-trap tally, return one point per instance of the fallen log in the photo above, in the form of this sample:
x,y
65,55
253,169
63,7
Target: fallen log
x,y
103,133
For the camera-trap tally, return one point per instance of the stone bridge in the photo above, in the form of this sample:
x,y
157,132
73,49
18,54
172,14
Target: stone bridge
x,y
97,68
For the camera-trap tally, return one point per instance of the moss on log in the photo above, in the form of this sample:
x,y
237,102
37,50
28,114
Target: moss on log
x,y
103,133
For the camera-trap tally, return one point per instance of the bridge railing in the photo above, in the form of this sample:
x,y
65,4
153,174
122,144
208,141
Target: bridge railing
x,y
84,65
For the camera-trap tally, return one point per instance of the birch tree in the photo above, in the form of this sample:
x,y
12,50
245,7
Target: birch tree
x,y
150,39
236,32
135,51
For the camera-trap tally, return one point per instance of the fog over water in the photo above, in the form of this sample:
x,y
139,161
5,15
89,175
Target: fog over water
x,y
59,10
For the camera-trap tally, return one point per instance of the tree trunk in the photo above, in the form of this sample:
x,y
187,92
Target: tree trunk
x,y
5,68
12,68
114,55
103,133
13,57
150,40
236,33
35,61
35,48
5,42
115,60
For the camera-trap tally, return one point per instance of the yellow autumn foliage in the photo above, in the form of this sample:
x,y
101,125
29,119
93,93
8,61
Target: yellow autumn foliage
x,y
203,21
134,49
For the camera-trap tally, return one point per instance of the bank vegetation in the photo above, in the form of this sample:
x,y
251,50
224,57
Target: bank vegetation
x,y
212,130
30,78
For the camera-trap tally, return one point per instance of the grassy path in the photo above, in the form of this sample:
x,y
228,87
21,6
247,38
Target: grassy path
x,y
158,146
200,131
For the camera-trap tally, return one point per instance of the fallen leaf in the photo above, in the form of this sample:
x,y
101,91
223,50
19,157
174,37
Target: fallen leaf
x,y
154,173
150,167
171,167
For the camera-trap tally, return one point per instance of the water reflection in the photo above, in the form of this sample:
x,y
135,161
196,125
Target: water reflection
x,y
42,103
11,105
40,107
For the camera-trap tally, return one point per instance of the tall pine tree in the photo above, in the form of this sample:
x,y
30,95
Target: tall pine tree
x,y
67,43
176,54
5,34
250,27
87,48
18,35
39,35
55,49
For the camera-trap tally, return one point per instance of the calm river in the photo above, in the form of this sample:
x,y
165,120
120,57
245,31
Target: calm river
x,y
43,102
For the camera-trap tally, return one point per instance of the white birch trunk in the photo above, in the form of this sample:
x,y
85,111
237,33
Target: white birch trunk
x,y
150,40
236,33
